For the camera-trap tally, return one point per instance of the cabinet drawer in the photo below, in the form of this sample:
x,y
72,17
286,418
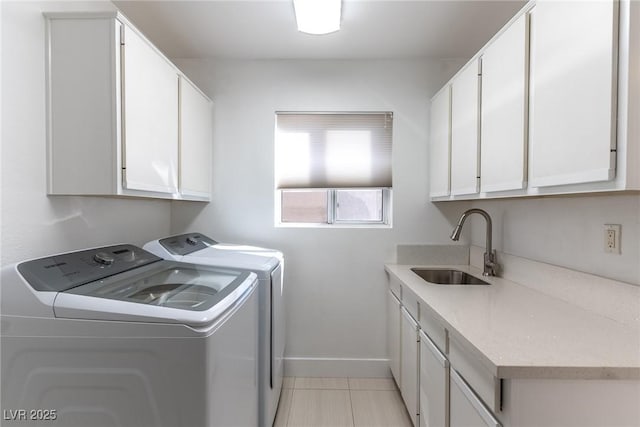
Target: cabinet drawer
x,y
466,408
434,330
410,302
475,374
395,287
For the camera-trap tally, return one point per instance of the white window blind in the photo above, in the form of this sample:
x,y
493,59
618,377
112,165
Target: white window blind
x,y
333,150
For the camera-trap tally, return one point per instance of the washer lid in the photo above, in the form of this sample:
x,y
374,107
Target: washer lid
x,y
167,291
167,284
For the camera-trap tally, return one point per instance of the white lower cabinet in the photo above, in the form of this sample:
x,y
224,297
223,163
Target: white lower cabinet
x,y
434,385
393,335
467,410
423,366
444,381
409,367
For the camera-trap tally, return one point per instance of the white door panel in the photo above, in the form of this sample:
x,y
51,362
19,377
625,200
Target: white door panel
x,y
150,117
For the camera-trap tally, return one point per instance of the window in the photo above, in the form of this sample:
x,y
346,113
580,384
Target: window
x,y
333,168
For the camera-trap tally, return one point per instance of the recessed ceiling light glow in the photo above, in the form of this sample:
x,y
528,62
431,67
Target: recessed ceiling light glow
x,y
317,16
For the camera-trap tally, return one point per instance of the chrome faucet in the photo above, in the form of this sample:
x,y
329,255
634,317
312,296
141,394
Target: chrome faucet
x,y
490,257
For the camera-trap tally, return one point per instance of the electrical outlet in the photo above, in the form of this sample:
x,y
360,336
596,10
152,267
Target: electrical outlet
x,y
612,238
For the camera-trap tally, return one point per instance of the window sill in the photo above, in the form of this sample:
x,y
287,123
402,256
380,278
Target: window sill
x,y
335,225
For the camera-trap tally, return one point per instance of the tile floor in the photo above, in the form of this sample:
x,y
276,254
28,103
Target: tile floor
x,y
332,402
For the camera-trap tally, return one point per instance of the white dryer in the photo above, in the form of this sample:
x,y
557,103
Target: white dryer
x,y
268,264
117,336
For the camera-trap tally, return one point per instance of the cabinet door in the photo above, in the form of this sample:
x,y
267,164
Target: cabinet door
x,y
393,335
150,117
82,81
440,144
573,88
503,136
195,141
434,385
467,410
465,130
409,368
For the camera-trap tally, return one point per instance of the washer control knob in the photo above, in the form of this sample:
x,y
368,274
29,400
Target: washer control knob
x,y
192,240
103,258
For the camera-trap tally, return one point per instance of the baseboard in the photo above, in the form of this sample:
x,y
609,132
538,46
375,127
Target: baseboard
x,y
336,367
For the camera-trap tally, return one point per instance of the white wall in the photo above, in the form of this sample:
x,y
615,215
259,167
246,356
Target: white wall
x,y
34,224
336,284
334,277
567,231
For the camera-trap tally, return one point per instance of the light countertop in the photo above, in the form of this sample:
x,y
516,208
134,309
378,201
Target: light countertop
x,y
519,332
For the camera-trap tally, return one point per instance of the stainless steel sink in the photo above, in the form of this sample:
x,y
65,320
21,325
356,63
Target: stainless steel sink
x,y
442,276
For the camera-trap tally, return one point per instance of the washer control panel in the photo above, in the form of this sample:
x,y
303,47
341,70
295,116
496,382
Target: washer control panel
x,y
62,272
103,258
185,244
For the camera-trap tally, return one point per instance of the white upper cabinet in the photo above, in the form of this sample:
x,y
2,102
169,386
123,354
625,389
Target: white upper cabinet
x,y
83,126
559,96
196,134
465,130
439,153
573,89
113,114
503,139
150,123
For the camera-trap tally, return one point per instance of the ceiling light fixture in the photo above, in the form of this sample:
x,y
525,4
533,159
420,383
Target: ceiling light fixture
x,y
318,16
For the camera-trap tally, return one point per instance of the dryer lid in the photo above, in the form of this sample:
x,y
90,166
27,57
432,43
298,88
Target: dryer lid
x,y
200,249
236,256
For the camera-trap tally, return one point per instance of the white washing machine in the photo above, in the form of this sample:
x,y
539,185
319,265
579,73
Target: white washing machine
x,y
117,336
268,264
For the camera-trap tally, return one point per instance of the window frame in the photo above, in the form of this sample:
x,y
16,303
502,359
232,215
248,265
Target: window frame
x,y
331,195
332,221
